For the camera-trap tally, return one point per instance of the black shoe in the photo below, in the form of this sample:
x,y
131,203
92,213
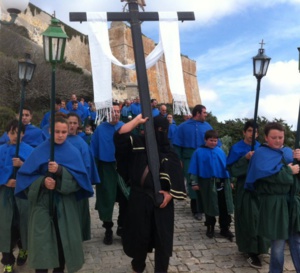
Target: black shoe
x,y
198,216
210,232
254,261
108,239
227,234
119,231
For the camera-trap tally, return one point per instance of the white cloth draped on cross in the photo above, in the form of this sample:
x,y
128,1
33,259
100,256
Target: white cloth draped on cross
x,y
102,57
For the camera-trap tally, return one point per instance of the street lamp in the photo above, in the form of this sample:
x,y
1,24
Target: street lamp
x,y
13,7
54,43
26,70
260,68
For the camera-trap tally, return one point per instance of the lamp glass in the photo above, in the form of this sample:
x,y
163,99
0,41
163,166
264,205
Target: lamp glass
x,y
260,64
54,39
20,5
26,68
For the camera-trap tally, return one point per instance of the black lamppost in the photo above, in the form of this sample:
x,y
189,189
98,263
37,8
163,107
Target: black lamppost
x,y
297,140
26,70
54,42
13,7
260,68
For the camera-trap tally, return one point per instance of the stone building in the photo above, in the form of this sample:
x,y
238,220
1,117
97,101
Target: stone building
x,y
124,81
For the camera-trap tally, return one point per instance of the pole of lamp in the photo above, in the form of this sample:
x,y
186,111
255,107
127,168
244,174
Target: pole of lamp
x,y
52,111
297,140
20,124
52,128
255,113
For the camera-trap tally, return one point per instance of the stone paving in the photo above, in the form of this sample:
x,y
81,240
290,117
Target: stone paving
x,y
192,251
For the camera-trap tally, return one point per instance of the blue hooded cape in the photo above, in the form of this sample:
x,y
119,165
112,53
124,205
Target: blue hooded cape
x,y
266,162
33,135
102,144
7,153
239,150
190,134
4,138
87,157
207,163
65,155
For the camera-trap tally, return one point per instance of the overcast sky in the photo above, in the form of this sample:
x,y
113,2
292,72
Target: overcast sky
x,y
222,40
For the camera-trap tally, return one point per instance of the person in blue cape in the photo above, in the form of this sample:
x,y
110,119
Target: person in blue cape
x,y
13,210
126,114
46,118
210,177
155,111
53,189
272,175
246,202
136,107
189,137
4,138
172,128
88,159
109,190
33,135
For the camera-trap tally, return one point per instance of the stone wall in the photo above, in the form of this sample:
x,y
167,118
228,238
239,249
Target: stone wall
x,y
124,81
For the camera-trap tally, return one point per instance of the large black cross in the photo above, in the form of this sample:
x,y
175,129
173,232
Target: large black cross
x,y
135,17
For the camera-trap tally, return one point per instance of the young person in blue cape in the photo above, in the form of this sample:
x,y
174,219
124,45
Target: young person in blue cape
x,y
53,189
46,119
272,175
172,128
210,177
88,159
109,190
189,137
13,210
246,202
33,135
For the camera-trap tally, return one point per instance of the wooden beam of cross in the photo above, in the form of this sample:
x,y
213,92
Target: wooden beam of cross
x,y
134,17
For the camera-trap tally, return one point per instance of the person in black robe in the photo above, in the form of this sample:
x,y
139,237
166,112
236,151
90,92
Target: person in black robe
x,y
148,226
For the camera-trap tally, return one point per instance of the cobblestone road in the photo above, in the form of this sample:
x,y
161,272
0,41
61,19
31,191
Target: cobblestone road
x,y
192,252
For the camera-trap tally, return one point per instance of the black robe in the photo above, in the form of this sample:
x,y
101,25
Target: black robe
x,y
143,218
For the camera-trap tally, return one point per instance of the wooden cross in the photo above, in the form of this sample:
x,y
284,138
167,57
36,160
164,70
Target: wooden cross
x,y
134,17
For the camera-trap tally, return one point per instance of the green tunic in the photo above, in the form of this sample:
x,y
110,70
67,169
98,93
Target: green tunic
x,y
209,194
273,192
10,207
42,240
106,191
246,213
295,206
185,155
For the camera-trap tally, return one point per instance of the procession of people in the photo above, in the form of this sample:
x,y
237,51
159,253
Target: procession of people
x,y
45,202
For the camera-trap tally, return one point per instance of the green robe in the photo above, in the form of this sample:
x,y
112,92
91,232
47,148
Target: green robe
x,y
246,213
185,155
273,192
42,242
295,205
9,204
209,195
106,191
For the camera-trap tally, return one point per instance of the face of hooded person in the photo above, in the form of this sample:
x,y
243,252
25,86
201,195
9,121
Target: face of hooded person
x,y
161,126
